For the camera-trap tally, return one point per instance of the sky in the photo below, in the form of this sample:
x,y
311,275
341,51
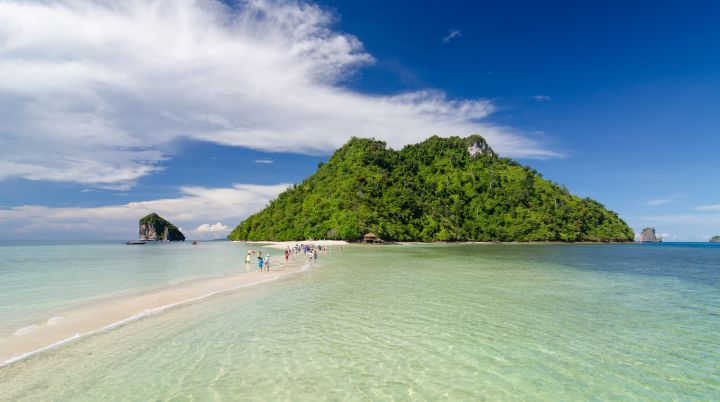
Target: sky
x,y
203,111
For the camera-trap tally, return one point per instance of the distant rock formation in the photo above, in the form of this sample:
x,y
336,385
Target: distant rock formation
x,y
648,236
155,228
715,239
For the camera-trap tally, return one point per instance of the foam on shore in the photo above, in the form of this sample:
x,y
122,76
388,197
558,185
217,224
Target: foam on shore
x,y
114,313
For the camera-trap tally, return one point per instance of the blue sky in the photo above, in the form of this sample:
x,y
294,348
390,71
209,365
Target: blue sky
x,y
616,101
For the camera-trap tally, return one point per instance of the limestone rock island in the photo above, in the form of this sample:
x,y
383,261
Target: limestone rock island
x,y
155,228
648,236
715,239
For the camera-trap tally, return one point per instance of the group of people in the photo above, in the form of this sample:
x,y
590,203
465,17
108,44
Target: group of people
x,y
309,250
263,264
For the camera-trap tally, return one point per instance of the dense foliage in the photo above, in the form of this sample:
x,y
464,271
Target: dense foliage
x,y
163,229
443,189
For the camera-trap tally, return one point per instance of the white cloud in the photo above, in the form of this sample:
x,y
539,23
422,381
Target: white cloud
x,y
541,98
712,207
264,161
99,89
658,202
215,227
194,206
454,33
209,231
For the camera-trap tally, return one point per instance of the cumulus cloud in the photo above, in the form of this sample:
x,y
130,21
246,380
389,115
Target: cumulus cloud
x,y
454,33
215,227
712,207
209,231
264,161
194,206
95,91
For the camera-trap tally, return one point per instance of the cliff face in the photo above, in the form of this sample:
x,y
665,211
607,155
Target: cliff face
x,y
155,228
648,236
715,239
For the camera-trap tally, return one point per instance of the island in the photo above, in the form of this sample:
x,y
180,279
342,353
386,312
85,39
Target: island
x,y
155,228
443,189
648,236
715,239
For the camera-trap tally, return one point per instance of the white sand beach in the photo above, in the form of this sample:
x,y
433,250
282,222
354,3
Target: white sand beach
x,y
98,317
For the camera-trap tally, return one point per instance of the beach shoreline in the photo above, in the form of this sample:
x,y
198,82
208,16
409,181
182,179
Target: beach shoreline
x,y
410,243
282,245
114,312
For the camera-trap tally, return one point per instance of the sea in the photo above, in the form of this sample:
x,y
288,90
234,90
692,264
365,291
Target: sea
x,y
452,322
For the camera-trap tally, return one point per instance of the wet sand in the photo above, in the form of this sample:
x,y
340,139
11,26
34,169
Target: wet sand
x,y
112,313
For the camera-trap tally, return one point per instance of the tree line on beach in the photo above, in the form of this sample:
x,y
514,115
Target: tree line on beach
x,y
443,189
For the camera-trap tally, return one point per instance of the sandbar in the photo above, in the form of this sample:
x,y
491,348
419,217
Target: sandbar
x,y
106,315
282,245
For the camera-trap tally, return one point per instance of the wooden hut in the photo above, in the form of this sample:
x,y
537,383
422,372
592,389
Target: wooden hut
x,y
372,238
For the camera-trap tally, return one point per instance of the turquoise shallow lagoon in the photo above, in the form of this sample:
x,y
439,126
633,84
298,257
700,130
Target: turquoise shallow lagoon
x,y
441,322
41,278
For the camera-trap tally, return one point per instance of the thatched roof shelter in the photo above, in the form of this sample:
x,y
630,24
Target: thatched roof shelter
x,y
371,238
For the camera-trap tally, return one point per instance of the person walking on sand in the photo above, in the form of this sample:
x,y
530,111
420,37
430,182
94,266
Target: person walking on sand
x,y
287,255
267,262
247,258
314,254
260,263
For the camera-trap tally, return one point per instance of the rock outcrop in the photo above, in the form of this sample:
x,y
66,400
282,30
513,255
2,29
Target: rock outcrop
x,y
155,228
648,236
715,239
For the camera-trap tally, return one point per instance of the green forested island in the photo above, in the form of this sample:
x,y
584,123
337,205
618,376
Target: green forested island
x,y
443,189
154,228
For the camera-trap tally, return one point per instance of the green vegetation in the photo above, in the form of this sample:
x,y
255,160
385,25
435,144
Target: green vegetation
x,y
433,191
153,227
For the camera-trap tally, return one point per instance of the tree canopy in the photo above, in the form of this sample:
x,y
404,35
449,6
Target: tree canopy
x,y
443,189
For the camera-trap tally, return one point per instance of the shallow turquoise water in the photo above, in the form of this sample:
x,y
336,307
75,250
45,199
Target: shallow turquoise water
x,y
39,279
460,322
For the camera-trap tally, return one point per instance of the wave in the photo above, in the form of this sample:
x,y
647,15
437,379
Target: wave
x,y
25,330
